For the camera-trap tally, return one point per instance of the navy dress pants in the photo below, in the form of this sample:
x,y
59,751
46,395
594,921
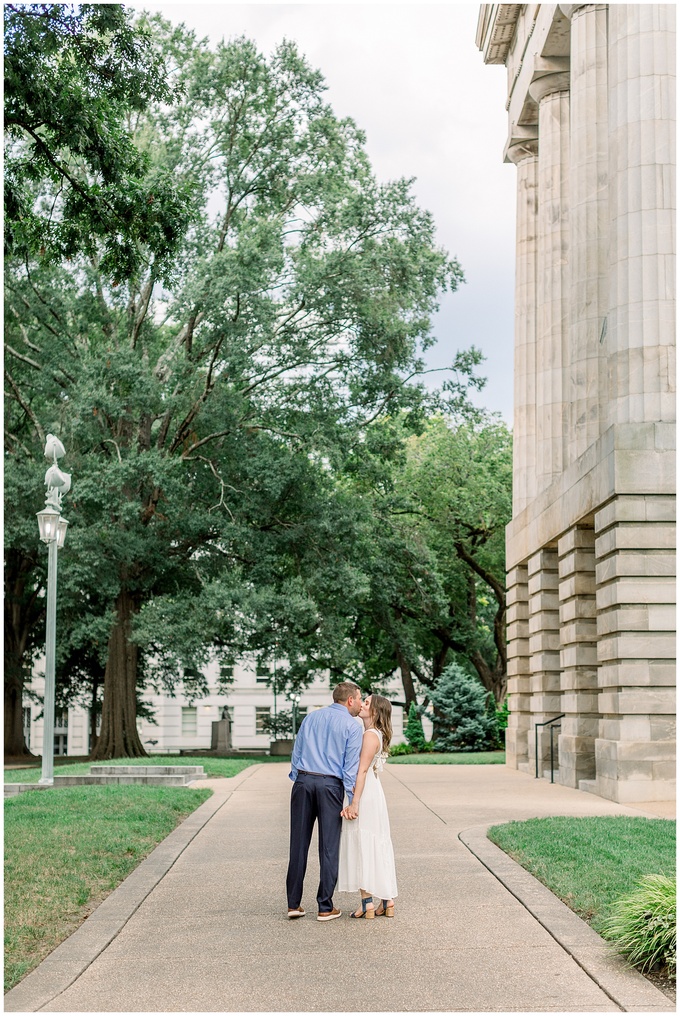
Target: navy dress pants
x,y
315,798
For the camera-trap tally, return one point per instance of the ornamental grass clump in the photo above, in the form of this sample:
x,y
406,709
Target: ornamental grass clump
x,y
643,924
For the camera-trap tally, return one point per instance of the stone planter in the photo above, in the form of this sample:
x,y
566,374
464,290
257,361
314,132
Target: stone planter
x,y
283,746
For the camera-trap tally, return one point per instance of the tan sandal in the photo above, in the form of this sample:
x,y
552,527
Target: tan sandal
x,y
384,910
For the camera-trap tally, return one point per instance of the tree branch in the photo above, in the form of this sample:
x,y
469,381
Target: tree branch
x,y
25,406
490,580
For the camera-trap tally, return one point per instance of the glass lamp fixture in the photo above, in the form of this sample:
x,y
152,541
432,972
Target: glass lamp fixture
x,y
48,522
62,526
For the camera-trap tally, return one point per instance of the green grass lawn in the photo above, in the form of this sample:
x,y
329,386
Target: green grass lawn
x,y
590,862
454,758
213,766
66,850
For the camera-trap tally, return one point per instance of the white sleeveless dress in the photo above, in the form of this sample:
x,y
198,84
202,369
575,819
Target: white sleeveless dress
x,y
366,854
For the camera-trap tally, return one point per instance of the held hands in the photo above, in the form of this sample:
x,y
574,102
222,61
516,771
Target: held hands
x,y
351,811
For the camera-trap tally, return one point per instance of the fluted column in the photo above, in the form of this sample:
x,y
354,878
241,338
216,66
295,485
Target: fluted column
x,y
524,155
551,93
586,368
641,326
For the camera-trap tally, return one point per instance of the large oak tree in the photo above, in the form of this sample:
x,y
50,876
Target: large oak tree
x,y
190,394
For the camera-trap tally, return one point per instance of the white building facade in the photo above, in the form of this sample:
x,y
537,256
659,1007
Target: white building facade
x,y
186,725
590,548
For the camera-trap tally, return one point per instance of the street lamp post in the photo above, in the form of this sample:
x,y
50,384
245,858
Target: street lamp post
x,y
294,699
52,532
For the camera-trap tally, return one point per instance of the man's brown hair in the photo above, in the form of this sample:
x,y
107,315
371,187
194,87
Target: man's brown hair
x,y
345,690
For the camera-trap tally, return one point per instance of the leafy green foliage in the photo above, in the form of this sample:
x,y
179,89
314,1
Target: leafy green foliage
x,y
402,749
75,182
210,425
461,712
643,924
440,499
279,726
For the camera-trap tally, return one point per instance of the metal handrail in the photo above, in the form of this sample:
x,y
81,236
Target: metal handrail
x,y
547,723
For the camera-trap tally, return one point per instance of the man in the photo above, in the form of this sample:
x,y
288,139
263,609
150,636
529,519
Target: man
x,y
324,765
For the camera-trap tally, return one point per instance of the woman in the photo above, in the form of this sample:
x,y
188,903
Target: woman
x,y
366,854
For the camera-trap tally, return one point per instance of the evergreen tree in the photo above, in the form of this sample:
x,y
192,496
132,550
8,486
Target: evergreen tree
x,y
413,732
463,722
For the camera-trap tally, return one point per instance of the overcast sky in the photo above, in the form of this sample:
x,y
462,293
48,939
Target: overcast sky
x,y
412,78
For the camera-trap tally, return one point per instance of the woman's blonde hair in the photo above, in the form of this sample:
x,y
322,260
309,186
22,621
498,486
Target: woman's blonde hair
x,y
381,717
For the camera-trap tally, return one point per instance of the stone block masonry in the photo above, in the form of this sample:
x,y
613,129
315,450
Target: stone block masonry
x,y
591,544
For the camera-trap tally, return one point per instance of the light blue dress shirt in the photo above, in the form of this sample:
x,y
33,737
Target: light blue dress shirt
x,y
329,742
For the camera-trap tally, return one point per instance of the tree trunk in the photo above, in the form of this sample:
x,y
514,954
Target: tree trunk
x,y
93,713
494,679
24,612
14,721
438,664
406,680
118,737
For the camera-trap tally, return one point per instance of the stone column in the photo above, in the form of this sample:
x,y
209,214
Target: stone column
x,y
635,568
519,681
524,155
544,647
641,325
586,367
578,656
552,95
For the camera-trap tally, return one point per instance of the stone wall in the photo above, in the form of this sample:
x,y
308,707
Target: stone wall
x,y
590,549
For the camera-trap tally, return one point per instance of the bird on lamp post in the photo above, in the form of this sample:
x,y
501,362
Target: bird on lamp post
x,y
52,532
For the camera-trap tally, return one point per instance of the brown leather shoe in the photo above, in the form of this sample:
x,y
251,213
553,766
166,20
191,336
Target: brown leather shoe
x,y
296,911
328,915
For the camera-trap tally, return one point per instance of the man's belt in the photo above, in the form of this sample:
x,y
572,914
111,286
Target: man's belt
x,y
306,772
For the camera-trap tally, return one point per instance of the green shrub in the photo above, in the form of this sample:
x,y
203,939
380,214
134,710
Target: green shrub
x,y
413,732
463,719
279,726
502,713
643,925
402,749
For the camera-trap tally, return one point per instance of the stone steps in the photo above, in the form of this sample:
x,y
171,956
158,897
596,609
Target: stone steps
x,y
102,775
12,789
556,774
104,770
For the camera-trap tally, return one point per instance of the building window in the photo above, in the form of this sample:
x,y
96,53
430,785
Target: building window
x,y
260,713
189,721
262,673
26,712
61,731
226,671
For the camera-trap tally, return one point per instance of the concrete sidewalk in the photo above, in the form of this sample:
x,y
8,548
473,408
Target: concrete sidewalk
x,y
200,926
